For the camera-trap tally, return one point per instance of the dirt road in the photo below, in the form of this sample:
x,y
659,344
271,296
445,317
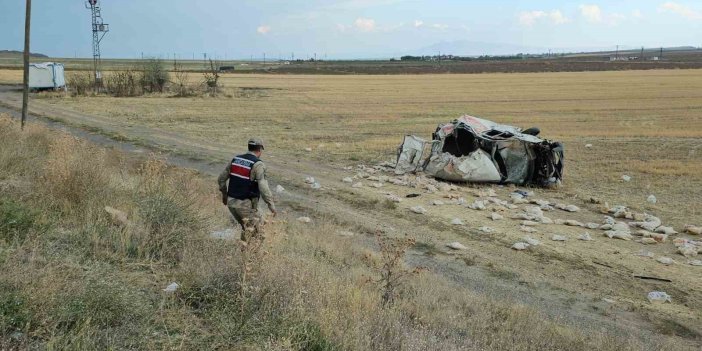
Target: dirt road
x,y
590,284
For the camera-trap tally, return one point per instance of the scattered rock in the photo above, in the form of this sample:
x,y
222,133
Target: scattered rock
x,y
304,219
309,180
437,203
609,300
694,230
316,186
357,185
528,229
665,260
486,230
529,223
394,198
652,199
308,149
377,185
279,189
520,246
588,146
457,246
559,221
456,221
559,238
649,223
592,225
496,216
573,223
666,230
478,205
171,288
688,250
616,234
585,237
418,210
531,241
119,218
695,263
345,233
648,241
568,208
348,180
644,253
659,297
626,178
545,220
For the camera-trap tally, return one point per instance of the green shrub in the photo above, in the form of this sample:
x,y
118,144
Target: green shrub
x,y
14,314
80,83
15,220
154,76
124,84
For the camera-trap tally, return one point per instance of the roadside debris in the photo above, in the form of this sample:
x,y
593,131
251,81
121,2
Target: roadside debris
x,y
531,241
309,180
347,180
279,189
316,186
659,297
171,288
665,260
528,229
487,230
456,221
357,185
418,210
559,238
644,253
626,178
652,199
223,234
477,150
691,229
304,219
496,216
520,246
456,246
695,263
585,237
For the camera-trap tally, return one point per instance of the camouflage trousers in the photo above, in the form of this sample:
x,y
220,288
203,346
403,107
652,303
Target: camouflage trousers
x,y
247,215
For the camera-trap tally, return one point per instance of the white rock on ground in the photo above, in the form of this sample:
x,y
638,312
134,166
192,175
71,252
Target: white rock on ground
x,y
573,223
418,210
496,216
666,230
644,253
688,250
377,185
345,233
478,205
456,221
592,225
348,180
616,234
316,186
659,297
559,238
223,234
486,230
695,263
585,237
694,230
520,246
531,241
437,203
456,246
528,229
652,199
308,149
279,189
665,260
357,185
309,180
171,288
626,178
304,219
588,146
394,198
529,223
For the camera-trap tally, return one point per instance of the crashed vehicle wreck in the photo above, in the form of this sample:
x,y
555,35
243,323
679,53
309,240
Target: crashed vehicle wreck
x,y
472,149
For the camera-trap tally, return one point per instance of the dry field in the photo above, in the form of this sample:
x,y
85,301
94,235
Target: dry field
x,y
646,124
643,124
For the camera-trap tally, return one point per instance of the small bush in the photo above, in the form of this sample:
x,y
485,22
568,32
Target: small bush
x,y
124,84
154,76
80,83
14,315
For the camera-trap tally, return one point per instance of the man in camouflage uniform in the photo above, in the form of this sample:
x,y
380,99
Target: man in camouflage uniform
x,y
247,183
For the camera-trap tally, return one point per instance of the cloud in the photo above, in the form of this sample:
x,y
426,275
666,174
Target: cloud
x,y
529,18
418,23
365,24
263,30
681,10
592,13
636,14
440,26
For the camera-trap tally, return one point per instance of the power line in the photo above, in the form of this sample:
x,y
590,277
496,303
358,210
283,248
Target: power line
x,y
25,94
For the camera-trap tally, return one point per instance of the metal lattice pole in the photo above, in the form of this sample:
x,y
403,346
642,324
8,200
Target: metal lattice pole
x,y
99,31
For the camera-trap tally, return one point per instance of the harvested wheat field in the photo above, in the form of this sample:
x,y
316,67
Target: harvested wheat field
x,y
642,124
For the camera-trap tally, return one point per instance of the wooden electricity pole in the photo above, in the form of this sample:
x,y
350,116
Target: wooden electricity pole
x,y
25,96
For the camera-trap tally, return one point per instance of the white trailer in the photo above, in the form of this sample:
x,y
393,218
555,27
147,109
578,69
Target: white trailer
x,y
47,75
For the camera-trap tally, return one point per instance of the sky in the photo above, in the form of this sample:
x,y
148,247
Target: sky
x,y
347,28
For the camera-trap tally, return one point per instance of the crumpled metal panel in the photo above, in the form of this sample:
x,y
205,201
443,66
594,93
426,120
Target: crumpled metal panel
x,y
476,167
410,155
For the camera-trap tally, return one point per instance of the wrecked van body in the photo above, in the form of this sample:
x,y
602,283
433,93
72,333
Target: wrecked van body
x,y
472,149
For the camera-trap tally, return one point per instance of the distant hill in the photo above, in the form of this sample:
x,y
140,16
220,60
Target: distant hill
x,y
15,53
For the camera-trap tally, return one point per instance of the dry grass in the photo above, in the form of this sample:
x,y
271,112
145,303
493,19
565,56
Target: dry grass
x,y
646,124
76,280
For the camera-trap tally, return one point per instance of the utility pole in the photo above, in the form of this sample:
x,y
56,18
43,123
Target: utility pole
x,y
99,30
25,95
264,59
